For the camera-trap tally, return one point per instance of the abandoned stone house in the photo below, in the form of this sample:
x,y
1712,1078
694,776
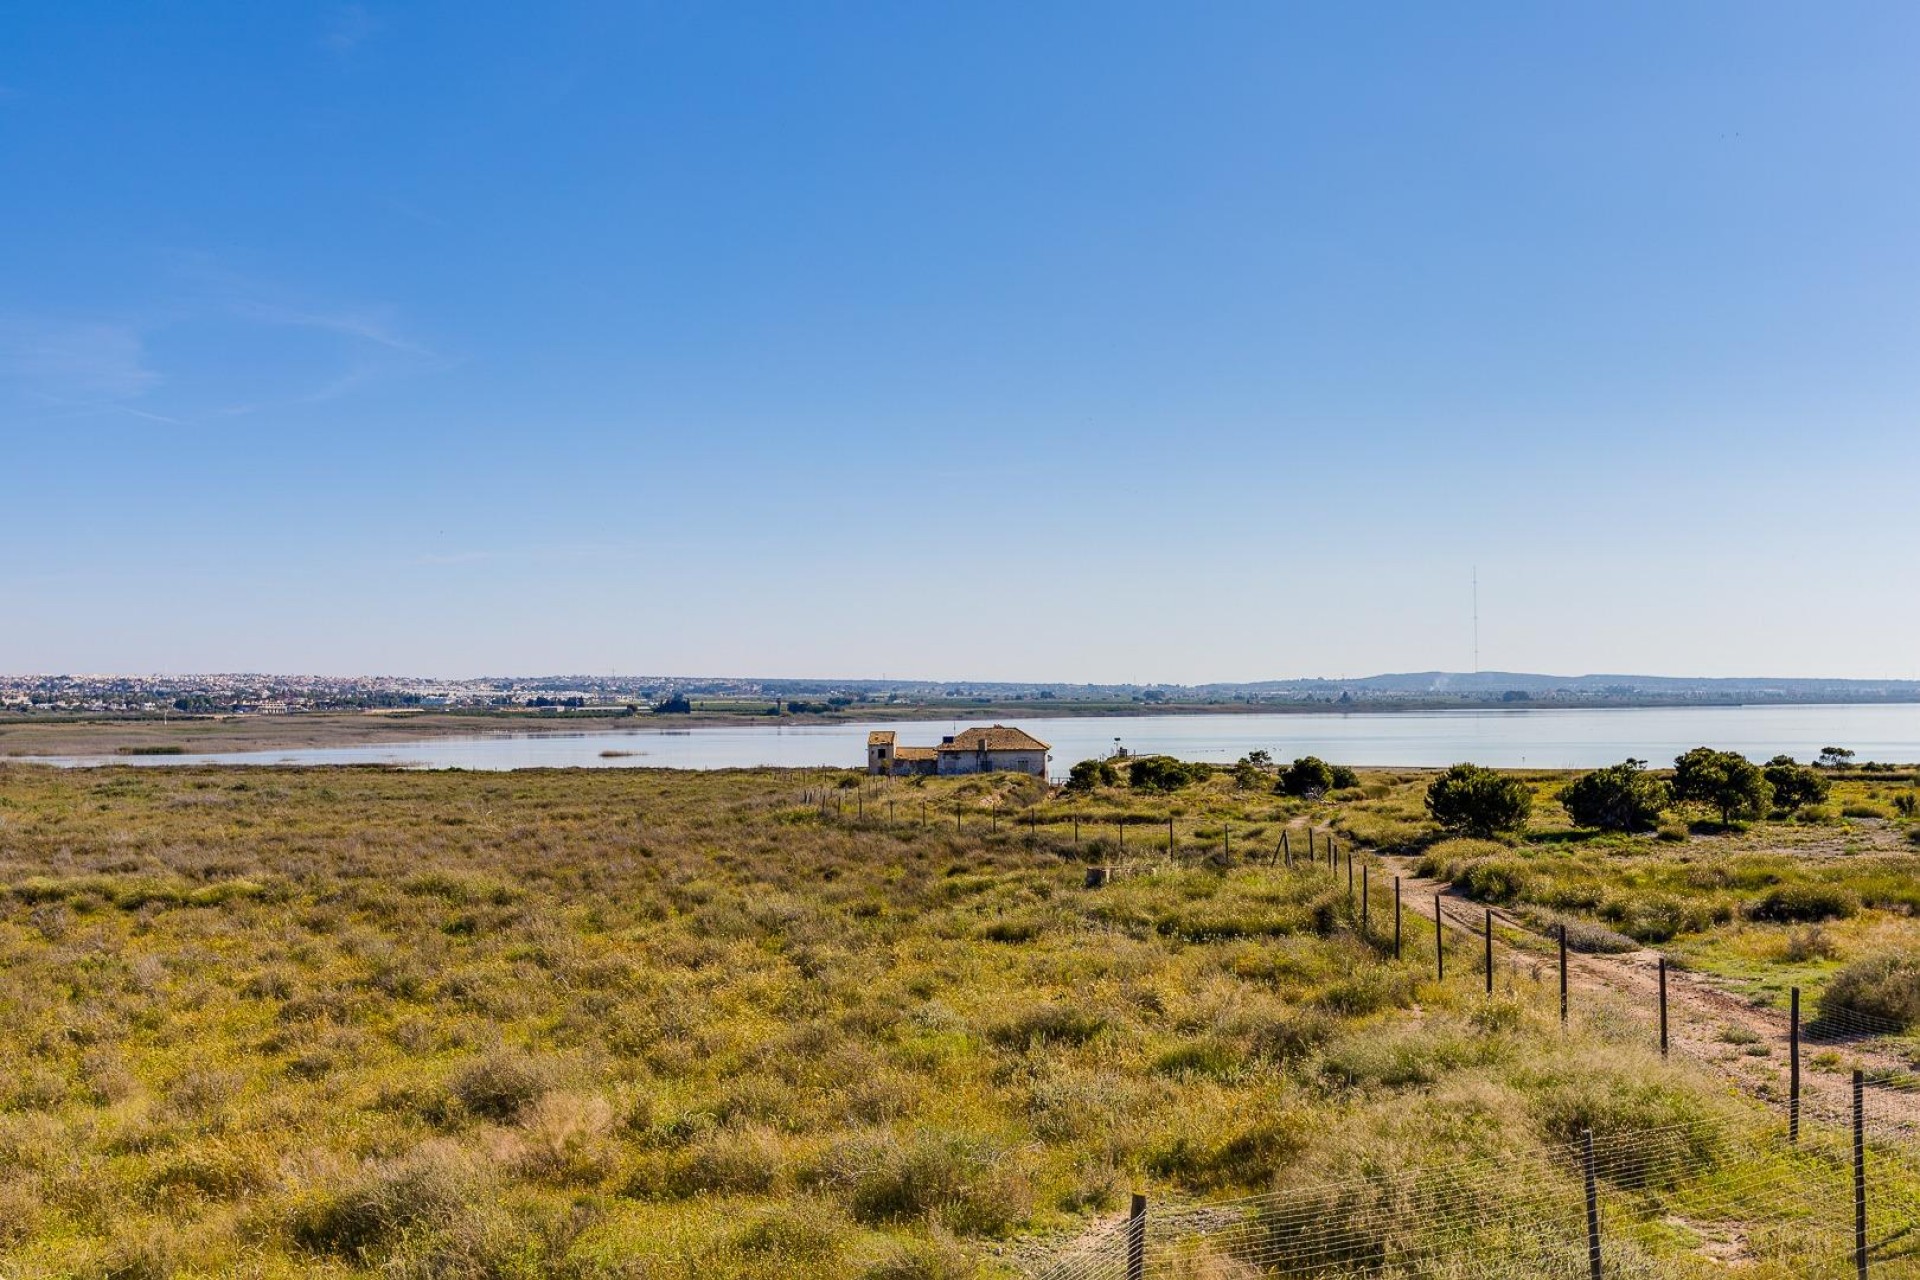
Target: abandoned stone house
x,y
994,749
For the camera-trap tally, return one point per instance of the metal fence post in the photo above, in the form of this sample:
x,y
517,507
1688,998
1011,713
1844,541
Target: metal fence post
x,y
1439,944
1366,902
1489,950
1859,1174
1563,975
1793,1071
1137,1239
1663,1006
1396,917
1593,1206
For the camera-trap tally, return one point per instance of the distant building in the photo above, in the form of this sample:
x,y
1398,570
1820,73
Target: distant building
x,y
994,749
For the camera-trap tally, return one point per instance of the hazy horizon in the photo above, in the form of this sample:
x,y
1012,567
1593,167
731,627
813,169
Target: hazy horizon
x,y
1127,342
566,674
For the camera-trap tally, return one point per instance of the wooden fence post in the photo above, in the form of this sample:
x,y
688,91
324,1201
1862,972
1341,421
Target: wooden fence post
x,y
1286,849
1169,835
1396,917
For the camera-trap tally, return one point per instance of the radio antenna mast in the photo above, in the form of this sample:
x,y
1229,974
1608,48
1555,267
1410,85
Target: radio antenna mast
x,y
1476,619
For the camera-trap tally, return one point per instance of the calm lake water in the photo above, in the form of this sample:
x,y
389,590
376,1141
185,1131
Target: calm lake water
x,y
1543,739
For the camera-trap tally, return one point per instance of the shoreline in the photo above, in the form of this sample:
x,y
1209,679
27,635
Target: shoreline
x,y
132,737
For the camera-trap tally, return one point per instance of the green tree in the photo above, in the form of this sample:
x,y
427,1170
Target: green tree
x,y
1835,757
1343,777
1795,785
1620,797
1722,780
1479,801
1307,776
1089,774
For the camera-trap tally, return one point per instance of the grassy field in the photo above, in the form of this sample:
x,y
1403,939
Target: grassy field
x,y
647,1024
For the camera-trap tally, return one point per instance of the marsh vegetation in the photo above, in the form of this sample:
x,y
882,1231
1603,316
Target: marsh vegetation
x,y
621,1023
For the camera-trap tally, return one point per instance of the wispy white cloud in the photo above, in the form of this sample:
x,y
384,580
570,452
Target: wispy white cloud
x,y
64,360
367,327
349,26
74,367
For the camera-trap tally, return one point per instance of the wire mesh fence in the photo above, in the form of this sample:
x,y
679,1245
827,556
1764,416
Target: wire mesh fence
x,y
1833,1205
1826,1184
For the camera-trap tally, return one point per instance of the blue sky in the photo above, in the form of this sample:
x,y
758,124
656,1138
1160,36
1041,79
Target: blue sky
x,y
1105,342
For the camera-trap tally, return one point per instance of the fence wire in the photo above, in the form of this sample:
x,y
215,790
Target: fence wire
x,y
1784,1201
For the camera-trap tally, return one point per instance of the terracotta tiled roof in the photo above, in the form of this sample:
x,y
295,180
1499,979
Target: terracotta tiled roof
x,y
915,753
880,738
998,737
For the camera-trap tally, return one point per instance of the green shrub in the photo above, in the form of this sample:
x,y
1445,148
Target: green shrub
x,y
970,1184
497,1086
1884,986
1048,1024
1164,773
1669,1132
1795,786
1479,801
1089,774
938,1258
423,1191
1306,776
792,1233
740,1162
1586,937
1621,797
1211,1058
1803,903
1369,990
1653,917
1290,1037
1245,1153
1495,879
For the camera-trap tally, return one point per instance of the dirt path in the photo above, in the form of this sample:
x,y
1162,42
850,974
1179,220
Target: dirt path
x,y
1744,1042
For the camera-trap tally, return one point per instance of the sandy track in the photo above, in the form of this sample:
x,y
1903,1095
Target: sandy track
x,y
1744,1042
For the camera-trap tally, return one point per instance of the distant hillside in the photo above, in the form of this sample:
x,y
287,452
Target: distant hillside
x,y
1484,683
